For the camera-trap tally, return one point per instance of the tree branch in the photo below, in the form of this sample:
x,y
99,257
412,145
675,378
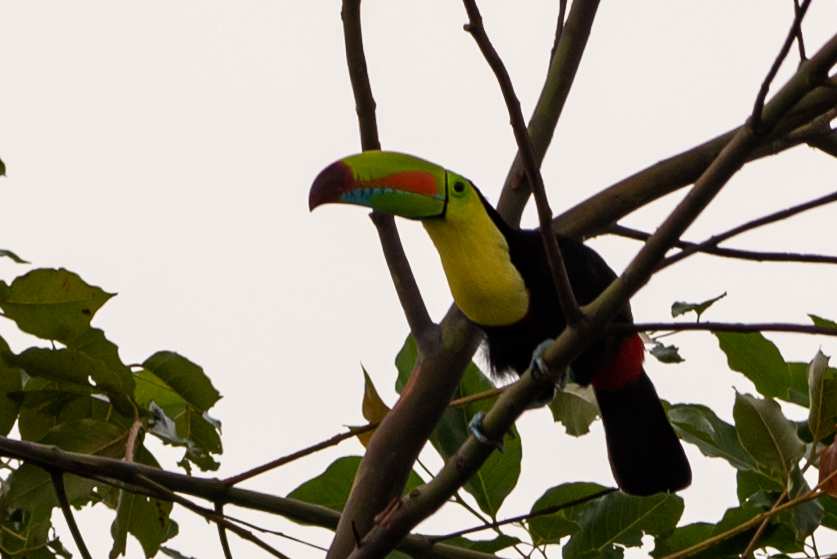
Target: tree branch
x,y
563,65
60,492
222,532
475,27
605,208
723,327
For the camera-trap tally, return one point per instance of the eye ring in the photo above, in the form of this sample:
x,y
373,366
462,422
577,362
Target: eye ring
x,y
459,187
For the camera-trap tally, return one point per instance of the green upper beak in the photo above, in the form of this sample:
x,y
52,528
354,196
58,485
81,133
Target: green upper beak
x,y
391,182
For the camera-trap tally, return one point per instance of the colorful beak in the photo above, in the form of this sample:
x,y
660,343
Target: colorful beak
x,y
391,182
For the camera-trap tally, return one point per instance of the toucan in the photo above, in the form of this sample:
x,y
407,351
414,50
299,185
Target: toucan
x,y
500,279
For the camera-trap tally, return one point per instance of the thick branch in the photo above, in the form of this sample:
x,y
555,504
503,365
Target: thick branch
x,y
524,145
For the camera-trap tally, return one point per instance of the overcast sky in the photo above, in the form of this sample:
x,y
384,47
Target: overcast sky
x,y
164,151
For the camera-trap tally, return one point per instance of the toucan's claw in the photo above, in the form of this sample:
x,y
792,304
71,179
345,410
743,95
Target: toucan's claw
x,y
475,427
541,372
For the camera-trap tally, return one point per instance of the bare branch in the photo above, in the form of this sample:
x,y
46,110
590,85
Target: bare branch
x,y
723,327
754,540
60,492
796,31
359,75
799,41
569,306
233,480
548,510
564,64
605,208
222,532
425,331
715,240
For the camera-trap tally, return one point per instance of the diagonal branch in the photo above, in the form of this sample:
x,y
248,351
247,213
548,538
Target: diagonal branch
x,y
757,256
715,240
475,27
60,492
723,327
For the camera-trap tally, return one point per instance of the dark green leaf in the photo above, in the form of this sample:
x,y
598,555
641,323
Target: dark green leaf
x,y
765,432
680,307
550,528
759,360
666,353
824,322
620,520
11,381
682,538
184,377
576,408
31,488
751,482
51,304
829,505
806,517
498,475
12,255
799,384
331,488
25,534
715,438
822,387
2,168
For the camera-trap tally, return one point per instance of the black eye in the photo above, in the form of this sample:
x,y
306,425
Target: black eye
x,y
459,187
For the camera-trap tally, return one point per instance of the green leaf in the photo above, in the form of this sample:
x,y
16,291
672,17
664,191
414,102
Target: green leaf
x,y
11,380
829,505
799,384
31,488
25,534
822,387
51,304
498,475
550,528
765,432
2,168
714,437
666,353
681,538
184,377
680,307
331,488
806,517
759,360
76,367
145,518
13,256
751,482
178,422
824,322
576,408
620,520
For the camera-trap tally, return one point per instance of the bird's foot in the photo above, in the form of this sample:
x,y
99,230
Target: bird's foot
x,y
475,427
540,371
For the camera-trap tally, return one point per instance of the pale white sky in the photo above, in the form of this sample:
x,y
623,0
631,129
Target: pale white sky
x,y
164,151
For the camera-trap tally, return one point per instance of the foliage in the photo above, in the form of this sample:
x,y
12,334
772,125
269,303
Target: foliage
x,y
79,396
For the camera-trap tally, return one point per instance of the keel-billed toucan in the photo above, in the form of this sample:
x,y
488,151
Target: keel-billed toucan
x,y
500,279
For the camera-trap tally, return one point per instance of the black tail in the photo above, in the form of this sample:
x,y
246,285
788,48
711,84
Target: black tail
x,y
645,455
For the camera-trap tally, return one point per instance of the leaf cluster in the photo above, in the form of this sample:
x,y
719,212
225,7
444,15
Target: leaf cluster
x,y
78,395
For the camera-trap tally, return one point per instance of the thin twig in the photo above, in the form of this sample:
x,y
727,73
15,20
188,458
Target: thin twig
x,y
569,306
715,240
273,464
222,531
799,41
208,514
548,510
425,331
60,492
559,27
723,327
754,540
739,254
795,31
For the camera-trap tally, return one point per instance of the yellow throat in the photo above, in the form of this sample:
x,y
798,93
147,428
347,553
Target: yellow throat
x,y
475,256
